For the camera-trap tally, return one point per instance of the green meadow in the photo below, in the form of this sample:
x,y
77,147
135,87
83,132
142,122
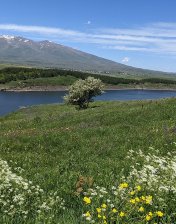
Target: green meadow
x,y
55,145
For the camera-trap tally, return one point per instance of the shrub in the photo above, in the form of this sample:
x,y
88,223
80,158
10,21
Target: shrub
x,y
82,92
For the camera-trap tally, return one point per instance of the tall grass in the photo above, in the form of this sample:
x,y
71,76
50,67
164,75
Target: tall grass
x,y
55,145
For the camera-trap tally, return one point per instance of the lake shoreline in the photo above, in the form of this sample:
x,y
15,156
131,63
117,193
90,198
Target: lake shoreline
x,y
65,88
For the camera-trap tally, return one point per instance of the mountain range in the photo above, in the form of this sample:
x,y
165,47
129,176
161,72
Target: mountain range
x,y
21,51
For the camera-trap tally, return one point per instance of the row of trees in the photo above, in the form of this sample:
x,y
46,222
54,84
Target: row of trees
x,y
17,74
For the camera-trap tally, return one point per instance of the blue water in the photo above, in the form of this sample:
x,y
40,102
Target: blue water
x,y
12,101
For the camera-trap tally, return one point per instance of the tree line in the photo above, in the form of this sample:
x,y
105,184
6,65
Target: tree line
x,y
20,73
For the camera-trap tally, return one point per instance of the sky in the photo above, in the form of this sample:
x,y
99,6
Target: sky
x,y
140,33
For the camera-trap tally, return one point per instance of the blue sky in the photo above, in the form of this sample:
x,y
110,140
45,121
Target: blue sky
x,y
135,32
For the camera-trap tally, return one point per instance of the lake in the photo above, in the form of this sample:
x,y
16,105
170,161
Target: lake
x,y
12,101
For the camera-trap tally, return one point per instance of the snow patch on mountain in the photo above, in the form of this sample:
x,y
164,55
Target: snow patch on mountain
x,y
7,37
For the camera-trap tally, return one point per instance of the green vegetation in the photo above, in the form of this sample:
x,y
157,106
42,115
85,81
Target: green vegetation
x,y
18,77
82,92
55,145
51,81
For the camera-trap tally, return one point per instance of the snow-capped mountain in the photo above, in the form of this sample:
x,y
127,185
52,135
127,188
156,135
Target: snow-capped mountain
x,y
22,51
7,37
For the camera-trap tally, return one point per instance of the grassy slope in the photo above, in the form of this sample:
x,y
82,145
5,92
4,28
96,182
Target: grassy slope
x,y
69,80
57,143
138,76
52,81
13,65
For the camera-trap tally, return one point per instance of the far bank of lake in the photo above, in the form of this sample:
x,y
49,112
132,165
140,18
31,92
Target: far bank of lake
x,y
107,87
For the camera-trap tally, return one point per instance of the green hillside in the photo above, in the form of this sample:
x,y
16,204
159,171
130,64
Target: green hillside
x,y
23,77
56,144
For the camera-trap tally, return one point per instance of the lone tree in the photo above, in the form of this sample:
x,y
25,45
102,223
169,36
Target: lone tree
x,y
82,91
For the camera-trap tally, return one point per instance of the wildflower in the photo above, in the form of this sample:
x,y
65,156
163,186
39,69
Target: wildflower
x,y
104,206
141,209
132,201
137,199
88,214
159,214
132,192
122,214
138,188
98,210
143,198
88,218
148,217
16,192
87,200
148,199
150,214
123,185
114,210
99,216
112,205
104,217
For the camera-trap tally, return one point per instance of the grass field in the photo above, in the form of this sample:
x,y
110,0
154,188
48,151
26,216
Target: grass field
x,y
55,145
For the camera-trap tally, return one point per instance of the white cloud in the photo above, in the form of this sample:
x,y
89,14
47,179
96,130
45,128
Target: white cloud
x,y
125,60
39,30
156,37
88,22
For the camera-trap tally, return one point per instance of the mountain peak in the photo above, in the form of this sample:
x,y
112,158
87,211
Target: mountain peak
x,y
46,41
24,51
8,37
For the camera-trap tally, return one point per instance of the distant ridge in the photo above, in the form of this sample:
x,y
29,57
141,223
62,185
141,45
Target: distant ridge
x,y
22,51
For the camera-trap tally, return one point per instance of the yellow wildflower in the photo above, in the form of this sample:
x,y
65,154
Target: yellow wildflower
x,y
104,206
143,198
159,214
148,199
104,222
132,192
122,214
114,210
87,200
138,188
148,217
104,217
150,214
123,185
99,216
132,201
87,214
141,209
137,199
98,210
